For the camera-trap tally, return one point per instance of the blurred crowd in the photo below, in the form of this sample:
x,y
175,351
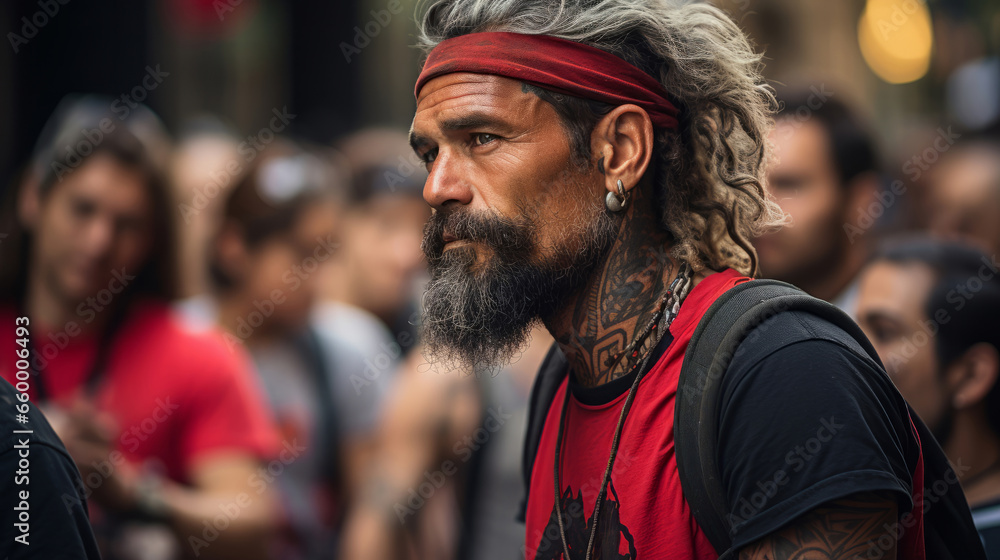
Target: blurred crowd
x,y
226,338
226,329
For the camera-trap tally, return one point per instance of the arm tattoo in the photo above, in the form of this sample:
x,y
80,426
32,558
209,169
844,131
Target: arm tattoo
x,y
850,529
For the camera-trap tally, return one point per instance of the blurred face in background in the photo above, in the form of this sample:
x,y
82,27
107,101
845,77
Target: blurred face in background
x,y
964,197
381,253
284,269
805,183
891,311
90,227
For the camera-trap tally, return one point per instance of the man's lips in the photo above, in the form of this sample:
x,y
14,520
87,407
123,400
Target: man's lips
x,y
456,243
452,240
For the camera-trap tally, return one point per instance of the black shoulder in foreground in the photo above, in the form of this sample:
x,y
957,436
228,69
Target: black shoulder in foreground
x,y
44,509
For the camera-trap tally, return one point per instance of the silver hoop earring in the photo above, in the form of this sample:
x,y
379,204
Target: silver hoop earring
x,y
617,203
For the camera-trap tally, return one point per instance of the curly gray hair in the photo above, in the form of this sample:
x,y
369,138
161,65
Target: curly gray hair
x,y
709,173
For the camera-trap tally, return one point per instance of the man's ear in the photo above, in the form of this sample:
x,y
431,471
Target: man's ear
x,y
29,201
973,375
623,140
861,193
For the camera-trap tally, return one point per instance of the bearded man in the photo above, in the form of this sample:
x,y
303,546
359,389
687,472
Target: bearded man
x,y
597,166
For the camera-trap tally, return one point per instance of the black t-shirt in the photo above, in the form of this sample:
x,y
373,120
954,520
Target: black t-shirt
x,y
41,487
805,418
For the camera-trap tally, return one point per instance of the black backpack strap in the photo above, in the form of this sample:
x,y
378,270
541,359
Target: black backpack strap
x,y
310,349
949,531
550,376
719,333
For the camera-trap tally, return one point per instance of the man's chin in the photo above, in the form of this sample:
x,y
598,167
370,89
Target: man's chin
x,y
449,351
476,318
79,290
470,256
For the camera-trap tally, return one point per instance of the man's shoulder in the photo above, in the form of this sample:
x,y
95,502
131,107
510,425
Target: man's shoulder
x,y
21,415
784,331
809,355
41,478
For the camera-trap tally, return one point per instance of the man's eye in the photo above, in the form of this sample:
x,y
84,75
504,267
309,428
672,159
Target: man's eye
x,y
884,334
429,155
83,208
789,188
483,138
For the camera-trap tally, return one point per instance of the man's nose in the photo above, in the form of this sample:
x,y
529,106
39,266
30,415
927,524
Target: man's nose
x,y
98,235
447,182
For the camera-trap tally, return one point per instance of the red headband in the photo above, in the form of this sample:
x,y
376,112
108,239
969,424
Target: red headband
x,y
555,64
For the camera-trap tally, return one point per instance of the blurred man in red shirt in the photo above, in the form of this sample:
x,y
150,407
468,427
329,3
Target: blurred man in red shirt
x,y
166,426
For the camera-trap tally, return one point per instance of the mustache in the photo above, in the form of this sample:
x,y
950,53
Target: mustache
x,y
498,232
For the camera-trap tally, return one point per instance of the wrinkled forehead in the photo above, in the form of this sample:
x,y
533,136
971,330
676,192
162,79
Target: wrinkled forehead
x,y
464,95
465,83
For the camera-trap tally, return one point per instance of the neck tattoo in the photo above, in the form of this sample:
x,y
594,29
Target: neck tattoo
x,y
665,314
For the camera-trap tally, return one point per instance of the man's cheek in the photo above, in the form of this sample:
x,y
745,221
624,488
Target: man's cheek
x,y
809,223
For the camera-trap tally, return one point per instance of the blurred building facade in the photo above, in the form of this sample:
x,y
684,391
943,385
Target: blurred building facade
x,y
339,65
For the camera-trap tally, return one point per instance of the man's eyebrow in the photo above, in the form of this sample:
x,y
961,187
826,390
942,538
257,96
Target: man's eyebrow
x,y
474,120
881,314
417,141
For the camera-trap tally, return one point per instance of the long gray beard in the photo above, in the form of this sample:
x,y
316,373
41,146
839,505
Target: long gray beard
x,y
478,320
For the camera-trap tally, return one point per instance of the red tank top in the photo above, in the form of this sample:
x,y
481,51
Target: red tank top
x,y
644,513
